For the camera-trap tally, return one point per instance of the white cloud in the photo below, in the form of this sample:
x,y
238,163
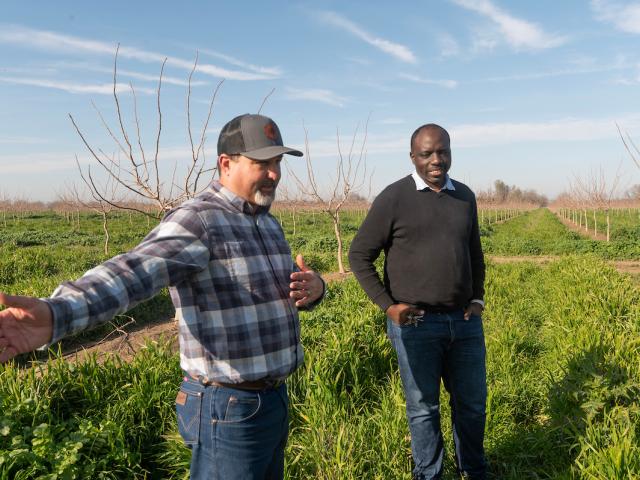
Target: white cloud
x,y
579,70
315,94
562,130
396,50
129,73
625,17
100,89
273,71
52,41
22,140
428,81
37,163
519,33
493,134
448,45
392,121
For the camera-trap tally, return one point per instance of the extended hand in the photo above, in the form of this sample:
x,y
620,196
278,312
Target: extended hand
x,y
306,286
401,313
26,325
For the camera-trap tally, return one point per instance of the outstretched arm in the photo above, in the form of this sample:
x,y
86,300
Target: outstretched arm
x,y
25,325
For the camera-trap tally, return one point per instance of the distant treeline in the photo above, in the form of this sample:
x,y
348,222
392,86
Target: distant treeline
x,y
501,193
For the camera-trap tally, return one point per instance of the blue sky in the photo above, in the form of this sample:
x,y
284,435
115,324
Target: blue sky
x,y
530,91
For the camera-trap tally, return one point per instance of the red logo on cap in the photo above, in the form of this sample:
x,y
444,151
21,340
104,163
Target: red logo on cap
x,y
270,131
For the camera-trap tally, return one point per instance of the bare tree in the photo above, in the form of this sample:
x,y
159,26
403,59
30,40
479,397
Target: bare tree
x,y
140,175
5,204
67,204
630,146
350,176
105,198
595,190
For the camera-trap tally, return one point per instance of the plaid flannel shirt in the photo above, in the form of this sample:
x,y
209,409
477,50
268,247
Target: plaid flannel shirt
x,y
228,271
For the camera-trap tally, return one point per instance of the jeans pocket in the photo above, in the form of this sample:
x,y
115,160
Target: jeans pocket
x,y
241,407
188,411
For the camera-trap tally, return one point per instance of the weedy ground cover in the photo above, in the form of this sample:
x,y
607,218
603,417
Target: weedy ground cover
x,y
624,224
563,354
562,350
539,232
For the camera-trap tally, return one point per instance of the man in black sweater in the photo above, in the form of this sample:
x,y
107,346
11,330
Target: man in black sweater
x,y
432,293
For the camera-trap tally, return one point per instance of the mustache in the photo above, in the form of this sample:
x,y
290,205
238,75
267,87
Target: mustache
x,y
268,184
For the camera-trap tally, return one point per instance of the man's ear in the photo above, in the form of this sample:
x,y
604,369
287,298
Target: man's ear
x,y
223,163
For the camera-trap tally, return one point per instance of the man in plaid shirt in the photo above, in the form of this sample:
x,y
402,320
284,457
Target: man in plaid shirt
x,y
236,292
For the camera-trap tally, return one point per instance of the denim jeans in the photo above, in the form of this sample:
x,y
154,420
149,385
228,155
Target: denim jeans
x,y
233,434
443,346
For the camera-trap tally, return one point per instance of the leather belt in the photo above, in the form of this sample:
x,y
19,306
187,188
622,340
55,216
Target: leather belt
x,y
436,308
254,385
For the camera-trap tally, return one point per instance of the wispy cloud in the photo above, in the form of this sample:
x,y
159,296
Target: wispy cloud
x,y
624,16
428,81
22,140
272,71
36,163
375,145
392,121
52,41
448,45
316,95
519,33
494,134
561,72
569,129
100,89
128,73
401,52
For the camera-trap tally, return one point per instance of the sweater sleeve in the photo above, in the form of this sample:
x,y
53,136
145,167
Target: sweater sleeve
x,y
372,237
476,255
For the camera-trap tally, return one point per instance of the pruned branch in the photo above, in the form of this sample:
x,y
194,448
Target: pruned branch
x,y
141,175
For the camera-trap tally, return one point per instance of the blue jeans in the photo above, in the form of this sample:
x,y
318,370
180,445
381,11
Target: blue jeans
x,y
233,434
443,346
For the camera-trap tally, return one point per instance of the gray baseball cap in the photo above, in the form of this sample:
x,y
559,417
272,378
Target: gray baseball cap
x,y
254,136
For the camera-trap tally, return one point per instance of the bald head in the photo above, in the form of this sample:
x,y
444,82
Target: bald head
x,y
428,126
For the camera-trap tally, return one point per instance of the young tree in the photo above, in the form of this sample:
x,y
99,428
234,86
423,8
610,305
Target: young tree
x,y
350,177
105,198
140,174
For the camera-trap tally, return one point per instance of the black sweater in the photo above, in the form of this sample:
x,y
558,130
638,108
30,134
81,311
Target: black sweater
x,y
431,242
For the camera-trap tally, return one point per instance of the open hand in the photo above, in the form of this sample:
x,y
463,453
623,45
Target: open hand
x,y
26,325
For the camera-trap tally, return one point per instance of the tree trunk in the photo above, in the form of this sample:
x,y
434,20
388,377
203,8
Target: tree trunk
x,y
336,229
105,227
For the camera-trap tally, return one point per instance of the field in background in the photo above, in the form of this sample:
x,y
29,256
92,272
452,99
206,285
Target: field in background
x,y
563,364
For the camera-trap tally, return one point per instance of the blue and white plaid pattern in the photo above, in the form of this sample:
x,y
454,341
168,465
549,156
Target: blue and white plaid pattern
x,y
228,272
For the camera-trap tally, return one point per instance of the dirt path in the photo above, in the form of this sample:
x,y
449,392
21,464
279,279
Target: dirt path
x,y
624,266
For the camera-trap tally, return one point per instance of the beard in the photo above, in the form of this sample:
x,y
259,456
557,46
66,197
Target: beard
x,y
264,200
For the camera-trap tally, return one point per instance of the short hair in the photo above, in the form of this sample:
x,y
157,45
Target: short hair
x,y
427,126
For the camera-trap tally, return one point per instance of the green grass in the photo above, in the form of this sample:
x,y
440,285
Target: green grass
x,y
563,367
539,232
563,372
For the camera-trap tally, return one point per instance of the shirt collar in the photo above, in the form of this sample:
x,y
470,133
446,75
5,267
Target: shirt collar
x,y
421,184
236,201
